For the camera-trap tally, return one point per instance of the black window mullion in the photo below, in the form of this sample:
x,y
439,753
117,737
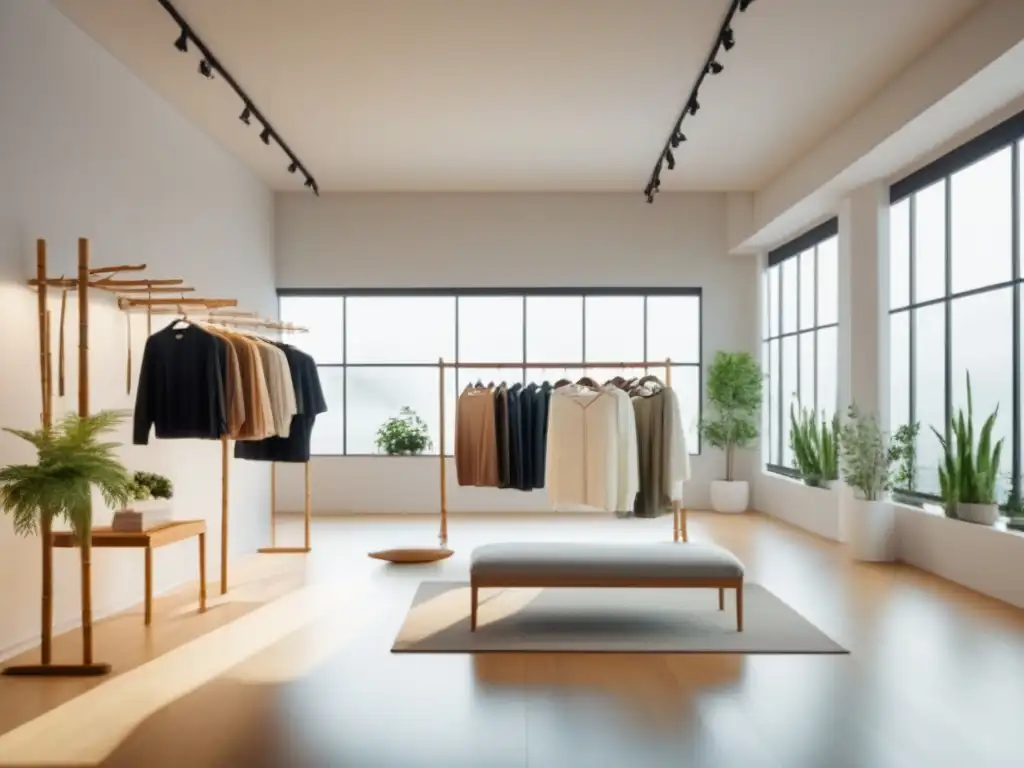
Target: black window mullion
x,y
1015,225
814,333
646,371
525,361
912,322
344,376
947,190
583,326
782,365
799,300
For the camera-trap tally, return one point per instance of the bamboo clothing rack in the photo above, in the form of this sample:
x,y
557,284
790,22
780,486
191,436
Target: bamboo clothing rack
x,y
678,512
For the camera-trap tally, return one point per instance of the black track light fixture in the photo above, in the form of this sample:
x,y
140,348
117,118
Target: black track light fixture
x,y
725,40
210,66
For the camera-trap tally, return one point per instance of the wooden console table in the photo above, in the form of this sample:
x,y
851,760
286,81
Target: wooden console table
x,y
158,536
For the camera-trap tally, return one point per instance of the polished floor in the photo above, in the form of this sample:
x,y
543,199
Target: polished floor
x,y
294,669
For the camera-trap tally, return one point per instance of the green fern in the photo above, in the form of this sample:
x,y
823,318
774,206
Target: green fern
x,y
71,459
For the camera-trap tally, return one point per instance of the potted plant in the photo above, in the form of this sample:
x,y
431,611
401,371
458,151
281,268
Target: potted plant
x,y
150,492
71,460
1013,509
869,519
734,393
903,454
815,447
404,435
968,474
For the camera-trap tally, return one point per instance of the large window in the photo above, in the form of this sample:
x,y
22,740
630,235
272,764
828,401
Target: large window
x,y
377,351
800,300
955,298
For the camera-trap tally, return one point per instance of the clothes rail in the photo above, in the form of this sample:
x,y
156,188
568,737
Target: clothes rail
x,y
678,512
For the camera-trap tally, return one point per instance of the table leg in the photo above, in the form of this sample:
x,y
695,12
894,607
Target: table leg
x,y
202,572
682,524
675,522
149,586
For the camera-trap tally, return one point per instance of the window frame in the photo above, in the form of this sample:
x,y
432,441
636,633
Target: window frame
x,y
811,239
1009,134
525,293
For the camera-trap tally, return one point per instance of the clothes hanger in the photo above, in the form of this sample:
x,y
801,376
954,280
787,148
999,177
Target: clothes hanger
x,y
562,383
586,381
650,377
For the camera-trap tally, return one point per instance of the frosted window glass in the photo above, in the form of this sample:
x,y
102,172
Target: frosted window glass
x,y
774,384
490,329
807,289
828,281
400,329
790,295
766,408
981,221
324,319
930,242
807,396
790,382
828,380
673,328
899,370
773,300
686,384
377,394
899,254
614,329
929,391
328,438
554,329
987,316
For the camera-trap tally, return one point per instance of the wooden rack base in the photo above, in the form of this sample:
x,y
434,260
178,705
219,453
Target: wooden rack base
x,y
273,549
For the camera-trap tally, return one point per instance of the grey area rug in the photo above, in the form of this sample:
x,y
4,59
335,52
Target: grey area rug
x,y
604,621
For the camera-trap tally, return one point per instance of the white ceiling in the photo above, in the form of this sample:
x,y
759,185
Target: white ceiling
x,y
485,95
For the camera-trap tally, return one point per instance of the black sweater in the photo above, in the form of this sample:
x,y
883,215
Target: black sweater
x,y
181,385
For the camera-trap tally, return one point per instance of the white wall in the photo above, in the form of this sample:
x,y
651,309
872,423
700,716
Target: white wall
x,y
503,240
87,150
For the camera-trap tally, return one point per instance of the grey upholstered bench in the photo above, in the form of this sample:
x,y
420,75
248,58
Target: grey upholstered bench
x,y
556,564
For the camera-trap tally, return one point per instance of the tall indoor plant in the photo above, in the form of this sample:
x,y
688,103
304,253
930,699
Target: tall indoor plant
x,y
734,391
869,518
71,459
968,473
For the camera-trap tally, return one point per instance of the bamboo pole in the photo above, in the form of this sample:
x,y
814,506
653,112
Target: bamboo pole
x,y
224,487
308,511
85,550
46,522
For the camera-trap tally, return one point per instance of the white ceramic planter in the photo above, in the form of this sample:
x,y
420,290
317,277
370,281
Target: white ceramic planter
x,y
982,514
869,528
730,496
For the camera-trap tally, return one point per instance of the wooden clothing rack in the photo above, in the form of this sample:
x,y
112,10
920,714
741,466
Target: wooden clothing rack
x,y
82,284
218,315
430,554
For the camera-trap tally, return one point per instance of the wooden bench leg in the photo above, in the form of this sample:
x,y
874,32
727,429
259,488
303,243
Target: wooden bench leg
x,y
472,607
721,599
739,608
149,586
202,572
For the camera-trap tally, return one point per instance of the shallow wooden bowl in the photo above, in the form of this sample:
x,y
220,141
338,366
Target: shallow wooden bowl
x,y
413,554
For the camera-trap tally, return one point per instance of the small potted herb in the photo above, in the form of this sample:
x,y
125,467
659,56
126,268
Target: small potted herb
x,y
404,435
869,518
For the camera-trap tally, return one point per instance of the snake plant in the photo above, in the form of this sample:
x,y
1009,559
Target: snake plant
x,y
968,474
814,444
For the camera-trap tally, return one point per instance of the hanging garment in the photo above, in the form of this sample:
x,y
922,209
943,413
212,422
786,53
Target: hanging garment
x,y
259,422
181,391
586,431
279,386
527,403
476,449
235,383
310,403
663,458
516,451
628,483
540,396
501,430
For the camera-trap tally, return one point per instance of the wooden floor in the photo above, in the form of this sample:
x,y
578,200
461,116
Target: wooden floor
x,y
295,670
